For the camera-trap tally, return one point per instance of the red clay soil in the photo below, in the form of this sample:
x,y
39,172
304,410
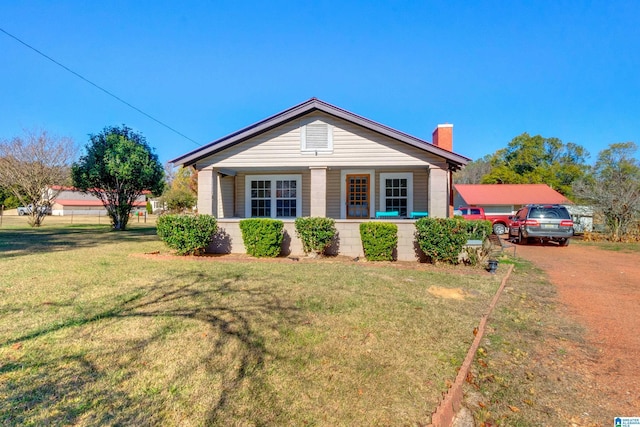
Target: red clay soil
x,y
600,289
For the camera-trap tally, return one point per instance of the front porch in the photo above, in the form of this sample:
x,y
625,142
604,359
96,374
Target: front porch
x,y
335,192
347,243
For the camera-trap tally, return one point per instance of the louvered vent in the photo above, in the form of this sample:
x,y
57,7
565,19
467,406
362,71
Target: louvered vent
x,y
317,137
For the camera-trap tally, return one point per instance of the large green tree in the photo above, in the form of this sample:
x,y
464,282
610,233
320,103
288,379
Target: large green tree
x,y
118,167
538,160
613,187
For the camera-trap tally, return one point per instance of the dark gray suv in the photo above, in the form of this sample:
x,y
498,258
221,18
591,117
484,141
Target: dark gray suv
x,y
544,222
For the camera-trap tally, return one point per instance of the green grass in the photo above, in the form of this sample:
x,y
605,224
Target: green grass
x,y
91,332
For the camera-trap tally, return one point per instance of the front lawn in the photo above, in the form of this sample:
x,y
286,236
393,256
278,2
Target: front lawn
x,y
93,333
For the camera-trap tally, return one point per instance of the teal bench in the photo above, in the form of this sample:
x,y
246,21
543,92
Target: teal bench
x,y
416,215
388,214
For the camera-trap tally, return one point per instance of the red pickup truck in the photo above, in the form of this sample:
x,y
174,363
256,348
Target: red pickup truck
x,y
500,223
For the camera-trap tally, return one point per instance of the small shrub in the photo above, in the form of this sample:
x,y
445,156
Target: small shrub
x,y
262,237
316,233
187,234
477,230
442,239
379,239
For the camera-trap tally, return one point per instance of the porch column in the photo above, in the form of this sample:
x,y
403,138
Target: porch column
x,y
318,191
438,193
207,194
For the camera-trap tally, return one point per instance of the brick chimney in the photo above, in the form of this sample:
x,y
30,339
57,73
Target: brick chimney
x,y
443,137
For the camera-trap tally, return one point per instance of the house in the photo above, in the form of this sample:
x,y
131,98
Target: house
x,y
70,201
316,159
505,199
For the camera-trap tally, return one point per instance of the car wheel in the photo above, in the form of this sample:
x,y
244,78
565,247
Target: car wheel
x,y
564,242
499,229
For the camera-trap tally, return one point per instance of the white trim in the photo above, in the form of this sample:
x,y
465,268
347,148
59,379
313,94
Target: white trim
x,y
396,175
343,190
273,179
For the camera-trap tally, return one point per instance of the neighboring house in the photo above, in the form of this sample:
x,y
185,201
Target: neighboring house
x,y
505,199
71,201
316,159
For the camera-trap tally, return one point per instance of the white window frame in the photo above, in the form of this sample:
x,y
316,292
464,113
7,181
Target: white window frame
x,y
273,179
396,175
314,150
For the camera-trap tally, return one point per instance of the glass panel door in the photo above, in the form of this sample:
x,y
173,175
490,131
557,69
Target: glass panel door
x,y
358,196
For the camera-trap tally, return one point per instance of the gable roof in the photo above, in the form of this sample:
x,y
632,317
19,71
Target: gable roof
x,y
455,160
509,194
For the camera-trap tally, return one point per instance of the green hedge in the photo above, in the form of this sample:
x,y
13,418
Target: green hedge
x,y
442,239
187,234
262,237
379,239
316,233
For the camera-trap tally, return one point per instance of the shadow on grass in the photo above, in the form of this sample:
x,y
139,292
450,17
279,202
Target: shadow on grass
x,y
18,242
59,386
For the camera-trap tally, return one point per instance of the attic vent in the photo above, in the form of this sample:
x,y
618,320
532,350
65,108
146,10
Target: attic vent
x,y
317,137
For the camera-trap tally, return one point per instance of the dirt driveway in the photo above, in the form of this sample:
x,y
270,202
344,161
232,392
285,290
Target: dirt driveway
x,y
601,290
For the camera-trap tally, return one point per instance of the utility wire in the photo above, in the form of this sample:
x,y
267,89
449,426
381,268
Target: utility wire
x,y
98,87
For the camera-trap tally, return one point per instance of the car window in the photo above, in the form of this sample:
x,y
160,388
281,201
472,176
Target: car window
x,y
542,212
475,211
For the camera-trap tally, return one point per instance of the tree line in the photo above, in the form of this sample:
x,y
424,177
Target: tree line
x,y
117,167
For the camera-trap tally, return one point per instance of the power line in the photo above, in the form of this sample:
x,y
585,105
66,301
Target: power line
x,y
99,87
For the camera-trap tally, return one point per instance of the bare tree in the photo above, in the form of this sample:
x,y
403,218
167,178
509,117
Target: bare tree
x,y
613,187
33,167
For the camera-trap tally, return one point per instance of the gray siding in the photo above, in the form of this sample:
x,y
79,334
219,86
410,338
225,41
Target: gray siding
x,y
353,146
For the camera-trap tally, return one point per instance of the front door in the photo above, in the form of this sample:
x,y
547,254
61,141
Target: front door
x,y
358,186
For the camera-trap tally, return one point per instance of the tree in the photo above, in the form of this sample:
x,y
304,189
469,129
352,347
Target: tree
x,y
473,172
33,168
117,168
182,192
538,160
614,188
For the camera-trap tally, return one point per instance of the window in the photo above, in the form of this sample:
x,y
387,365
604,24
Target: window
x,y
273,196
396,193
316,137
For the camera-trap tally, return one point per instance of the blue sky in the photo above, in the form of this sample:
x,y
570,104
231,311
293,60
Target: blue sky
x,y
565,69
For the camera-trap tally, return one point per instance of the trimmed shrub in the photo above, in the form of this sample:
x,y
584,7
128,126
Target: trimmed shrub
x,y
379,239
316,233
187,234
442,239
262,237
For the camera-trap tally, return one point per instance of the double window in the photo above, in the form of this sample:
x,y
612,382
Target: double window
x,y
273,196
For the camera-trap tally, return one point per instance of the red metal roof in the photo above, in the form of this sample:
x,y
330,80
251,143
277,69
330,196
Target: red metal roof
x,y
509,194
66,202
